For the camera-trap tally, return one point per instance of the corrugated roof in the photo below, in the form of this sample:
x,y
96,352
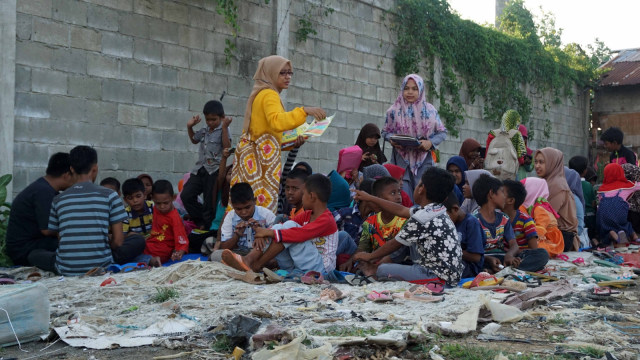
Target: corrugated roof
x,y
625,69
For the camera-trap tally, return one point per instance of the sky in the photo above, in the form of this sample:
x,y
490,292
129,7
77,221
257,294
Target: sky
x,y
582,21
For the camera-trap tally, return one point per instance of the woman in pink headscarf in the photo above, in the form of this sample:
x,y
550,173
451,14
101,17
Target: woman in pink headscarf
x,y
411,115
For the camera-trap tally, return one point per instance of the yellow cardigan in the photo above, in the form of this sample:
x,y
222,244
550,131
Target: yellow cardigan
x,y
268,116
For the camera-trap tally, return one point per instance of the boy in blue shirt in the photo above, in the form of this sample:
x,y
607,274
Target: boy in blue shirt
x,y
470,236
212,139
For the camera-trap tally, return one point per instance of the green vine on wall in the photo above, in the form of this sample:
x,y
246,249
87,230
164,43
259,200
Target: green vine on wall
x,y
306,25
494,64
229,10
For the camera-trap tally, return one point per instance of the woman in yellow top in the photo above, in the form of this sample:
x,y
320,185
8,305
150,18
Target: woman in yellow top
x,y
258,151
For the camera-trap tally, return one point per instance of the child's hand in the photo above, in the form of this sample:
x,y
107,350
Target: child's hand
x,y
362,196
240,228
299,142
492,263
194,121
226,153
511,261
260,244
226,121
177,255
362,256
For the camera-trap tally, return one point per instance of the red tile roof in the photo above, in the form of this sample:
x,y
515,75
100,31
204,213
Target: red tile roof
x,y
625,69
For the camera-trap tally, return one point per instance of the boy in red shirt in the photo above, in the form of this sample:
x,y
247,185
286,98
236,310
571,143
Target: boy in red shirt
x,y
168,239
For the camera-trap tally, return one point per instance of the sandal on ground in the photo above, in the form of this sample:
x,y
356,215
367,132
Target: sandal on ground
x,y
7,281
331,293
34,276
384,296
359,279
579,262
603,291
312,278
138,266
432,288
420,293
482,279
96,271
562,257
249,277
109,282
271,276
234,260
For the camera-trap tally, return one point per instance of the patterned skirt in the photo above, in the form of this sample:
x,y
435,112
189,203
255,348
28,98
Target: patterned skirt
x,y
258,163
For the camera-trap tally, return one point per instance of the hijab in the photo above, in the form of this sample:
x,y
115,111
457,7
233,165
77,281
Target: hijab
x,y
574,182
468,145
537,195
265,77
367,131
473,175
395,171
419,119
306,166
632,173
560,195
462,165
375,172
614,178
340,194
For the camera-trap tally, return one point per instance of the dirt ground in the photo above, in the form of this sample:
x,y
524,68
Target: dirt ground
x,y
576,326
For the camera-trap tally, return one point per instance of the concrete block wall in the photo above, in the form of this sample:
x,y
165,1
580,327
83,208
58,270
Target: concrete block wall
x,y
125,76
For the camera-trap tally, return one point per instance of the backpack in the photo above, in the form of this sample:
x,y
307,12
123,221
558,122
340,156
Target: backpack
x,y
501,159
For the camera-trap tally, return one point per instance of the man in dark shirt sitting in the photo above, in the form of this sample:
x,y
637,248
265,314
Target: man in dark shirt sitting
x,y
29,217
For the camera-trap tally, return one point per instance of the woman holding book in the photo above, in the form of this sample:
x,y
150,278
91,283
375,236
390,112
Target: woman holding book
x,y
257,156
414,129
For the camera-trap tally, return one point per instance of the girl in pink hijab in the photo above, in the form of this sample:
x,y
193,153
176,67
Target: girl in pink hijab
x,y
411,115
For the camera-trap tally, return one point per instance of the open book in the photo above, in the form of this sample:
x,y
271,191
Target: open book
x,y
405,141
315,128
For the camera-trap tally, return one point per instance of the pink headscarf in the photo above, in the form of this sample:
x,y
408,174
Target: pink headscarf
x,y
537,195
419,119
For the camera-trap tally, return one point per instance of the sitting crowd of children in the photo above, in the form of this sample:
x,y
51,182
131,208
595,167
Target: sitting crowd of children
x,y
461,221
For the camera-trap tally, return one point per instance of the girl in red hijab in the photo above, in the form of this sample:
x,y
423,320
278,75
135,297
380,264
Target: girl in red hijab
x,y
613,209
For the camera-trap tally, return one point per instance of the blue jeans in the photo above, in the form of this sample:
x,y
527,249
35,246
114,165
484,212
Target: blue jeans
x,y
346,245
303,256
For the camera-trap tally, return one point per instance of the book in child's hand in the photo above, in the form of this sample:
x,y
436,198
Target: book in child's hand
x,y
315,128
405,141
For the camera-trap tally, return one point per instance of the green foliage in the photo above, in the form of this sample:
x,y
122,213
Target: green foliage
x,y
5,208
229,10
341,331
222,344
494,64
164,293
306,25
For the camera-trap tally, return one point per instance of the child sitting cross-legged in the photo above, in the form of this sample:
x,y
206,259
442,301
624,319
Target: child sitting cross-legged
x,y
533,257
238,228
308,242
429,232
383,226
168,239
501,248
469,234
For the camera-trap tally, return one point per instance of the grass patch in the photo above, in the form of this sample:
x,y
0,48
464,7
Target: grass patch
x,y
558,320
469,352
222,344
591,351
350,331
164,293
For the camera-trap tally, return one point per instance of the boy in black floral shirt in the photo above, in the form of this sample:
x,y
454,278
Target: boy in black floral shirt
x,y
429,232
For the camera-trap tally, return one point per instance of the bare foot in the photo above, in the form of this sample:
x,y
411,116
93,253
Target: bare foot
x,y
368,269
613,235
155,262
